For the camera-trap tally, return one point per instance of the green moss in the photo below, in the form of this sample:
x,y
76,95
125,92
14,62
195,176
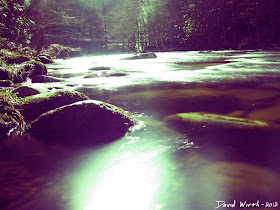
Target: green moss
x,y
29,69
6,124
8,98
9,116
10,71
36,105
12,57
83,122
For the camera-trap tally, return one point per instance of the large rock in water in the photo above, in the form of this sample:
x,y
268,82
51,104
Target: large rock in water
x,y
230,130
83,123
38,104
33,68
60,51
141,56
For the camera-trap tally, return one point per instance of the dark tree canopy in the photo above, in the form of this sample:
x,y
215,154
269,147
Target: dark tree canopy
x,y
142,25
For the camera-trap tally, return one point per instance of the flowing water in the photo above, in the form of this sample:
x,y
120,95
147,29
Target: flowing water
x,y
154,167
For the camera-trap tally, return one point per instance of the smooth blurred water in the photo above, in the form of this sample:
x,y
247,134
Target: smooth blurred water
x,y
180,67
142,171
139,172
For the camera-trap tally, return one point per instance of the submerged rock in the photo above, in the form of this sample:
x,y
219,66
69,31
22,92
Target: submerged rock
x,y
44,78
266,114
105,74
98,68
208,121
84,122
231,130
141,56
234,181
173,101
36,105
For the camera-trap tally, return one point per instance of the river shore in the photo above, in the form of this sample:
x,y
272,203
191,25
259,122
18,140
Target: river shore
x,y
205,160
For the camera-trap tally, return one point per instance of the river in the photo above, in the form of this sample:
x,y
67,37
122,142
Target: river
x,y
155,167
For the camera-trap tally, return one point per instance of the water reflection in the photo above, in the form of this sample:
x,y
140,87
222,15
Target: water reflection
x,y
137,172
129,184
127,174
194,67
120,176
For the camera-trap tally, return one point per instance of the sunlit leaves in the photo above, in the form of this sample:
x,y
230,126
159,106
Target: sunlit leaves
x,y
13,23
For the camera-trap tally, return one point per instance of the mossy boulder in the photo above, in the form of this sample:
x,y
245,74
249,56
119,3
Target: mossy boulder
x,y
60,51
26,70
33,68
225,129
34,106
85,122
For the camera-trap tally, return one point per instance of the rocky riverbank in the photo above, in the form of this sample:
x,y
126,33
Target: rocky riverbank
x,y
225,146
53,114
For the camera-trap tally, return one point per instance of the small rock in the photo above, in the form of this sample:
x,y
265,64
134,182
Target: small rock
x,y
98,68
45,59
141,56
43,79
106,74
25,91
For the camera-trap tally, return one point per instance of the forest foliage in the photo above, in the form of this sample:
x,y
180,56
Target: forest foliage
x,y
141,25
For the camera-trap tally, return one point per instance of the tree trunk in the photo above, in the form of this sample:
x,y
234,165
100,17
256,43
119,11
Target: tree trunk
x,y
40,40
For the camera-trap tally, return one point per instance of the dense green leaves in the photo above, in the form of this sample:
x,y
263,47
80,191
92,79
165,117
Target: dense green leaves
x,y
142,25
14,26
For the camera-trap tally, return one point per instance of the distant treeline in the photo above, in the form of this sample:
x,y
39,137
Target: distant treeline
x,y
142,25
